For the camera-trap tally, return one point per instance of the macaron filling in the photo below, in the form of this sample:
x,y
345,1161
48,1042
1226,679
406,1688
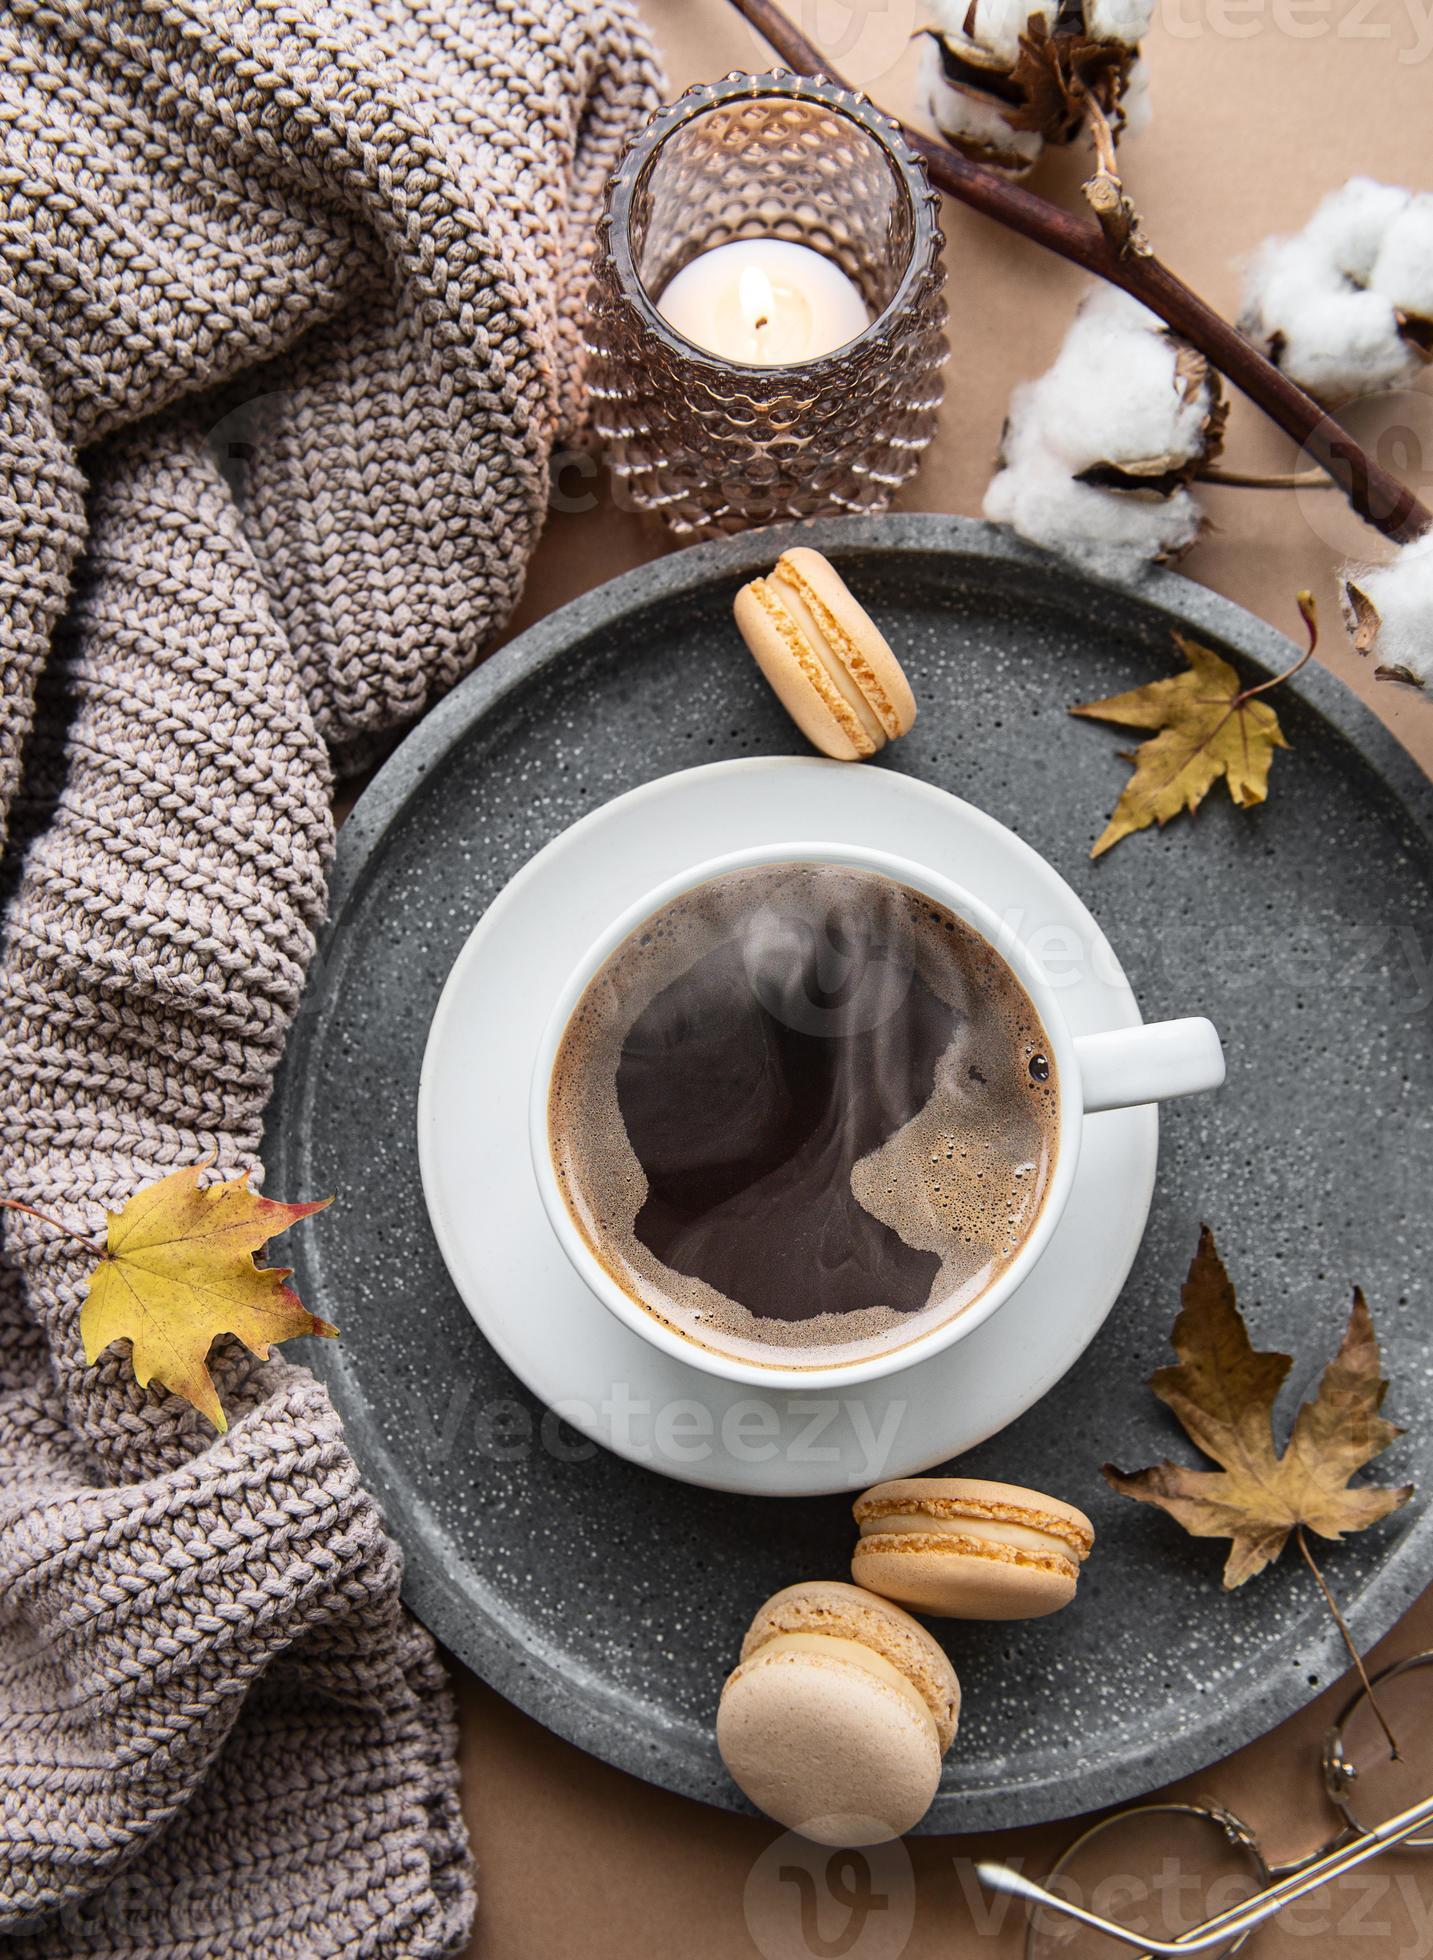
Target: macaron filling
x,y
848,1653
819,661
1017,1537
849,664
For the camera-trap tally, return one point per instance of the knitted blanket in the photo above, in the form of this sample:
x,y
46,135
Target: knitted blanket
x,y
287,305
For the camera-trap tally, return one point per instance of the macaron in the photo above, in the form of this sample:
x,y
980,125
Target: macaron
x,y
823,654
957,1548
836,1719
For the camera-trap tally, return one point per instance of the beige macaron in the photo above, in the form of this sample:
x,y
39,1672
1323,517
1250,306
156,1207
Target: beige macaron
x,y
823,654
960,1549
838,1716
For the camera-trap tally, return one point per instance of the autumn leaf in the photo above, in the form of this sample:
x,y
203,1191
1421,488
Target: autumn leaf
x,y
178,1269
1223,1391
1209,725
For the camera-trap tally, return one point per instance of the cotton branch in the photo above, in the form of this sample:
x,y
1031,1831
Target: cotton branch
x,y
1105,193
1379,498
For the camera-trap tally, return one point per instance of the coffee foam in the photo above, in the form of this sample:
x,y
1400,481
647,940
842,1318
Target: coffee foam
x,y
961,1180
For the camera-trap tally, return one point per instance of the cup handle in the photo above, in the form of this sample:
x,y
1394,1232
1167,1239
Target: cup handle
x,y
1148,1064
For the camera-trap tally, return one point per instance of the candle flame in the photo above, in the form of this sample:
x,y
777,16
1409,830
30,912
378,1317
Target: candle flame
x,y
757,297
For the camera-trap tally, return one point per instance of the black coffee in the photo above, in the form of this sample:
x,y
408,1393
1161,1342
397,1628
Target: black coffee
x,y
804,1108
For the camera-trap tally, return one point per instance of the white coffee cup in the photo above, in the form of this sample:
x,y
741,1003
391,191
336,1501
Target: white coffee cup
x,y
1144,1064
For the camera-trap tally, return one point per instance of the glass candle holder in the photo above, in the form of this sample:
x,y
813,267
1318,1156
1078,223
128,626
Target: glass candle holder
x,y
714,444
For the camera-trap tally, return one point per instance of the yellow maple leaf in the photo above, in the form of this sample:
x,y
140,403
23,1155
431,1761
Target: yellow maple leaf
x,y
1223,1391
1210,725
1207,729
178,1269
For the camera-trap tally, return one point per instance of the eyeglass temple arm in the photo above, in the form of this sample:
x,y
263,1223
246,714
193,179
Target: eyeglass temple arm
x,y
1240,1919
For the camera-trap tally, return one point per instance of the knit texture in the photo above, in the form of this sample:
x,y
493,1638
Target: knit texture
x,y
287,326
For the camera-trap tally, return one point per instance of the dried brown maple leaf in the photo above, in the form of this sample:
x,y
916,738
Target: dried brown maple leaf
x,y
177,1268
1223,1391
1209,725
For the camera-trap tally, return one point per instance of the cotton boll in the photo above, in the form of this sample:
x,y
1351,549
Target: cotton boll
x,y
1115,395
993,25
1094,450
1403,270
1001,78
1348,226
1108,530
1123,393
974,122
1335,339
1389,610
1345,306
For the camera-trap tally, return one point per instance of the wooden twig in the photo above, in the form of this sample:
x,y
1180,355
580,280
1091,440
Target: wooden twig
x,y
1105,193
1379,498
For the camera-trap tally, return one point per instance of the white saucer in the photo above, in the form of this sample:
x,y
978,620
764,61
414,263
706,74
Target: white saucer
x,y
598,1375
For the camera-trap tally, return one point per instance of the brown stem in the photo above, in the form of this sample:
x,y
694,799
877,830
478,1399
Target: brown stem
x,y
1251,480
1308,613
1342,1625
58,1224
1105,193
1378,497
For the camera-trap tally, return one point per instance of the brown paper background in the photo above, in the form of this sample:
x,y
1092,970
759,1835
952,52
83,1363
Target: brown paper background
x,y
1260,107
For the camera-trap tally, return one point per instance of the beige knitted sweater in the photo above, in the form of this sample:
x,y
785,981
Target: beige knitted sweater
x,y
287,298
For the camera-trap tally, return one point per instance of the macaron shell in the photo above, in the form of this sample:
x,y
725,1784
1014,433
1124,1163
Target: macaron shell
x,y
831,1606
827,1749
811,699
855,635
939,1577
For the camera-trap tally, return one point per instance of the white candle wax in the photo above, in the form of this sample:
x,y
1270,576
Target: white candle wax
x,y
764,302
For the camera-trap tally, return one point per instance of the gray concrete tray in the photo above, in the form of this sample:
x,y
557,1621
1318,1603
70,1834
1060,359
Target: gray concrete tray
x,y
609,1602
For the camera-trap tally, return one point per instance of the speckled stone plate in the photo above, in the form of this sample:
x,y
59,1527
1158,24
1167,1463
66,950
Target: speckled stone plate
x,y
608,1601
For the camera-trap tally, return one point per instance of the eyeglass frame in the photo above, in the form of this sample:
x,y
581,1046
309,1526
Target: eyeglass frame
x,y
1349,1848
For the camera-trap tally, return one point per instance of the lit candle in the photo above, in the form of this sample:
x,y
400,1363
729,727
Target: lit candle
x,y
764,302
